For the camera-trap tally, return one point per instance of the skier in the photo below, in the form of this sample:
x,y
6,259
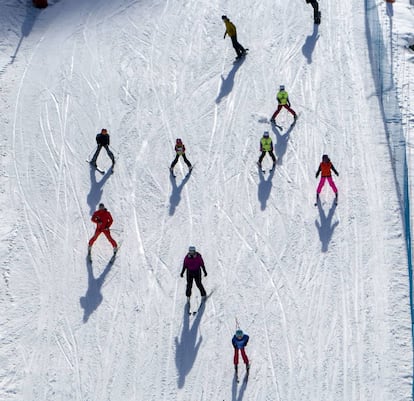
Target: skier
x,y
283,101
316,13
102,139
193,263
266,146
232,32
239,342
180,151
325,168
103,220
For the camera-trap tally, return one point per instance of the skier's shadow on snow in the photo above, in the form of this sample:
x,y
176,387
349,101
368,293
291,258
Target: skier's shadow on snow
x,y
96,191
31,14
176,191
265,187
228,82
93,296
281,143
310,43
186,348
239,397
325,227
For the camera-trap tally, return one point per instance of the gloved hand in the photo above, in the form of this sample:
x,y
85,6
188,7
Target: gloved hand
x,y
181,274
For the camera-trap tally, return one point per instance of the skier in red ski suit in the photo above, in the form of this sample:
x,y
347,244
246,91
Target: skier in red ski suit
x,y
103,220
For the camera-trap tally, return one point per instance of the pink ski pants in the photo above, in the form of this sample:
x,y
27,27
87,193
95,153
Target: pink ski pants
x,y
322,183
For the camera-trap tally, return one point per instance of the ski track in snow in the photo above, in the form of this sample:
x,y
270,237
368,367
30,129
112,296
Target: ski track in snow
x,y
311,285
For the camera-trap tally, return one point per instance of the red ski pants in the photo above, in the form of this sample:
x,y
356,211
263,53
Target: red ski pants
x,y
107,234
279,107
243,354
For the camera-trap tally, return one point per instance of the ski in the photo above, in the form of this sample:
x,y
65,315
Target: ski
x,y
263,170
273,122
238,58
236,375
190,169
95,167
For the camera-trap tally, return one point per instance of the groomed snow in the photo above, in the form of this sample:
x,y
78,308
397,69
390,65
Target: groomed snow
x,y
322,291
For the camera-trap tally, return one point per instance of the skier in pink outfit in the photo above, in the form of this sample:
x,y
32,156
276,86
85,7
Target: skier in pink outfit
x,y
325,168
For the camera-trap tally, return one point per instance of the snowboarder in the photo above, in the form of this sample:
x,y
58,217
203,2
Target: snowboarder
x,y
266,146
316,13
239,342
283,101
180,151
102,139
103,220
325,168
232,32
193,263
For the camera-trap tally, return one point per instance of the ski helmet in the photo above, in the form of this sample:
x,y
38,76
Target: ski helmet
x,y
239,333
178,140
282,87
224,17
325,158
101,206
192,249
266,134
104,131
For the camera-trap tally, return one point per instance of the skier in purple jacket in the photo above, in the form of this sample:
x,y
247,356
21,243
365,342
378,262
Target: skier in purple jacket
x,y
193,263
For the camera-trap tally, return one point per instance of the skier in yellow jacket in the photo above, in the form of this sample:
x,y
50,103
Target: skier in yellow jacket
x,y
232,32
266,146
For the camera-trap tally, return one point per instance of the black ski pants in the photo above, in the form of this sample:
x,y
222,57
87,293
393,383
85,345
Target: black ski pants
x,y
271,154
315,5
237,46
98,150
196,276
177,156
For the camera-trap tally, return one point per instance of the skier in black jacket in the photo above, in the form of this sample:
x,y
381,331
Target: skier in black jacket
x,y
316,13
102,140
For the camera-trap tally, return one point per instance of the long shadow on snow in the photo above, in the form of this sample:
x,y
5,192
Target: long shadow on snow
x,y
281,143
186,349
31,15
310,43
176,191
228,82
93,296
264,188
326,228
95,193
234,396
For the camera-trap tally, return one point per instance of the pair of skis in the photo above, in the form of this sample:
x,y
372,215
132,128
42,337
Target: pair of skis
x,y
318,200
111,261
263,170
98,169
246,376
190,169
194,311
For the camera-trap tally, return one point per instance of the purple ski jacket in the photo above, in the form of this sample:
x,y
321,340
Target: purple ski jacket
x,y
193,263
